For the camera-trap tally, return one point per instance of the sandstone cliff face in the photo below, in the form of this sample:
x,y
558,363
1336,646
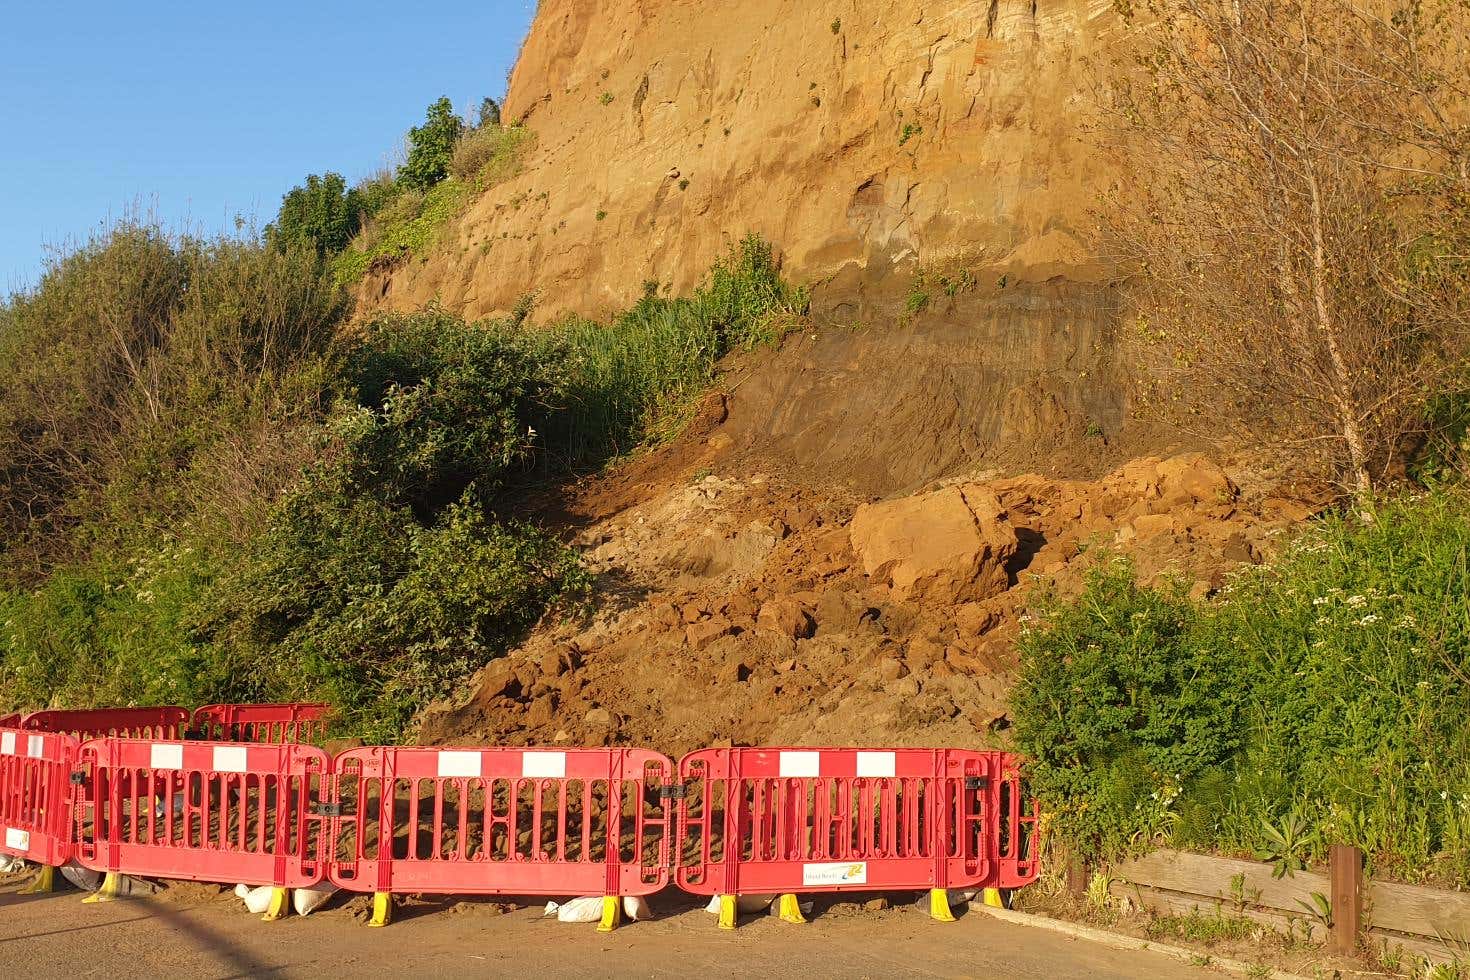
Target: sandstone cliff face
x,y
860,137
868,141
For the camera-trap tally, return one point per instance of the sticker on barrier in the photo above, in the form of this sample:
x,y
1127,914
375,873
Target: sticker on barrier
x,y
159,723
203,811
821,820
503,821
35,795
268,723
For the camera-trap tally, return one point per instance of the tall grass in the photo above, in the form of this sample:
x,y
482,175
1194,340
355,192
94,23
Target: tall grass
x,y
638,379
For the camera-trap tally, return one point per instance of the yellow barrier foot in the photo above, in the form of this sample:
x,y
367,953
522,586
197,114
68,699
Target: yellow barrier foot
x,y
44,884
727,911
992,897
939,909
612,911
382,910
110,889
280,905
789,910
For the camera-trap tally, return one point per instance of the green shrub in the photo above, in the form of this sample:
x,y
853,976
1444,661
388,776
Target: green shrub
x,y
1320,699
430,147
323,216
1121,708
355,602
439,405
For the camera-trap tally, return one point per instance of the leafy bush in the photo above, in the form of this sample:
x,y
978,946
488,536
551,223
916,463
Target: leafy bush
x,y
1323,701
1122,708
348,599
323,215
431,147
440,405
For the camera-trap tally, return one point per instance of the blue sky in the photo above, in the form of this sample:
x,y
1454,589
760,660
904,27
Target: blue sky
x,y
202,111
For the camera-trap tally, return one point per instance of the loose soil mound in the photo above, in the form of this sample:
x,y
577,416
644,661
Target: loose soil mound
x,y
753,610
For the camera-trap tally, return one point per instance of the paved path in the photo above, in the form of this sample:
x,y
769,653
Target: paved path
x,y
189,933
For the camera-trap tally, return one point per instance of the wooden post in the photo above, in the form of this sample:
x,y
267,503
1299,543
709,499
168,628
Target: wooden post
x,y
1077,876
1346,875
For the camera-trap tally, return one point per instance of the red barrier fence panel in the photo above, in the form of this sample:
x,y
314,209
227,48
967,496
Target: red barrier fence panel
x,y
35,795
203,811
1017,845
10,721
158,723
821,820
503,821
268,723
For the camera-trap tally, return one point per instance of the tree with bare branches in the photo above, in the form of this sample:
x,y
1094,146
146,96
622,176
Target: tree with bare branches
x,y
1293,220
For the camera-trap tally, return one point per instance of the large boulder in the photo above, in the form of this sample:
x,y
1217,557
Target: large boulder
x,y
951,545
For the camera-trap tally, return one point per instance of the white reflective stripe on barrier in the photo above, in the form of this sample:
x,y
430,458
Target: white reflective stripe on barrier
x,y
7,743
544,765
166,756
801,765
229,759
17,840
462,765
877,765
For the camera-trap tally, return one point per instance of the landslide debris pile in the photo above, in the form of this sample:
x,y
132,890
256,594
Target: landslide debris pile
x,y
748,610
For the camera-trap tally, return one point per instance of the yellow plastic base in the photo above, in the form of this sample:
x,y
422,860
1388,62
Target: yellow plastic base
x,y
727,911
109,890
280,905
612,912
790,910
382,910
44,884
939,909
993,898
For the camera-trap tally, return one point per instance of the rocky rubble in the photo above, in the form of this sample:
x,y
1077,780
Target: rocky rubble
x,y
799,618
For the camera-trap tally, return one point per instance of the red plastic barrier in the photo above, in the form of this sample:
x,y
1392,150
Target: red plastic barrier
x,y
1017,846
502,821
10,721
825,820
159,723
203,811
269,723
35,795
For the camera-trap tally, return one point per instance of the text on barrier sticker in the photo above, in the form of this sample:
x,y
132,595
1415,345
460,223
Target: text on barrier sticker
x,y
17,840
844,873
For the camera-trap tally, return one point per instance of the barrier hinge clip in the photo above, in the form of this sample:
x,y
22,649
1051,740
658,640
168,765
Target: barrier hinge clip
x,y
676,791
329,810
973,783
78,778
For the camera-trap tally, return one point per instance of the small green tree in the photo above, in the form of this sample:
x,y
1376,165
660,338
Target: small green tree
x,y
323,215
431,146
489,113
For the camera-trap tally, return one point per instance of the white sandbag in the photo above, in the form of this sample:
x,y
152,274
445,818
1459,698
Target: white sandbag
x,y
587,909
11,865
744,904
83,878
636,908
307,900
257,900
